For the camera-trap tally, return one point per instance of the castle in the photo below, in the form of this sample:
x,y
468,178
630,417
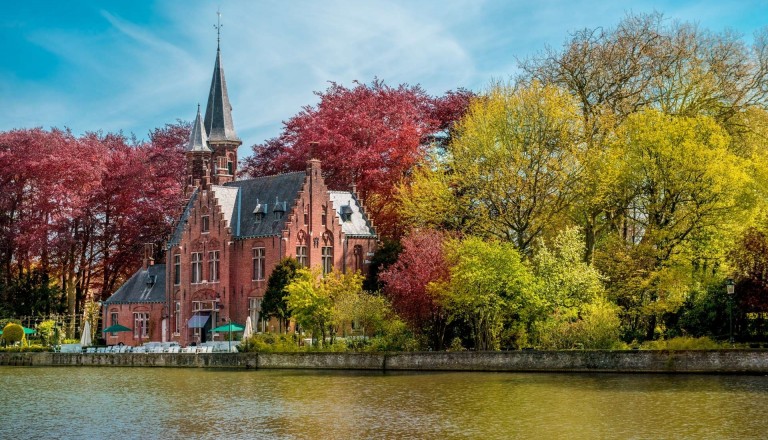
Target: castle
x,y
231,235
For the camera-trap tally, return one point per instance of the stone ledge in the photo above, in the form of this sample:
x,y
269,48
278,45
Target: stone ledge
x,y
588,361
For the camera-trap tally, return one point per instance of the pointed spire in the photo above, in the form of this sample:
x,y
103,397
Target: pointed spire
x,y
198,140
218,112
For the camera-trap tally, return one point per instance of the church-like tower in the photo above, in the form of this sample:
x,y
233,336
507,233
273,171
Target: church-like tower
x,y
212,148
222,139
198,154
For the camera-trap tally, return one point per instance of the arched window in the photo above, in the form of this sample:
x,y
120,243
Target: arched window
x,y
357,253
327,252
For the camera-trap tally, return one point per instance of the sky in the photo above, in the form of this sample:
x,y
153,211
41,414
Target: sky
x,y
132,66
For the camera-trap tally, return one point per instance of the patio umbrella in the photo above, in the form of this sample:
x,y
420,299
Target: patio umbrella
x,y
248,331
85,338
116,328
229,328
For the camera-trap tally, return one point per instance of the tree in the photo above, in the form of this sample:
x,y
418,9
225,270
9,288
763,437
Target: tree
x,y
409,283
369,136
274,303
490,287
574,312
510,169
312,297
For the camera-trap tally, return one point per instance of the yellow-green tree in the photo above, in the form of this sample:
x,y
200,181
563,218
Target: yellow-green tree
x,y
510,169
490,288
312,299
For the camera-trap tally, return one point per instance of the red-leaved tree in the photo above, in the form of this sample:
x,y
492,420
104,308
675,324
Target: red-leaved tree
x,y
407,282
368,135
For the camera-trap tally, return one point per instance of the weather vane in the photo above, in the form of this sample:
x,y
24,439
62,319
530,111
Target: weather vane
x,y
218,26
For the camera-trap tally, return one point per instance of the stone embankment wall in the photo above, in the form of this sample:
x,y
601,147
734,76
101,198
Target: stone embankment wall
x,y
716,361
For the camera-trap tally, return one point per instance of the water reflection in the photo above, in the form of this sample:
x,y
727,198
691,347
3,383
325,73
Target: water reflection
x,y
184,403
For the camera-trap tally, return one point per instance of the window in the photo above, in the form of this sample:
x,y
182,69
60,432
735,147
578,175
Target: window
x,y
324,216
176,270
301,255
177,316
306,216
213,266
259,263
140,325
327,259
254,309
230,167
204,220
278,215
113,321
357,252
197,267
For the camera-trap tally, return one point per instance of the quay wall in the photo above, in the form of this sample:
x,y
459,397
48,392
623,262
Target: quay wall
x,y
634,361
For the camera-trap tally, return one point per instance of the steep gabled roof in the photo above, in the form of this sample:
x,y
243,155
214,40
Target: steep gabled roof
x,y
218,112
281,190
145,286
176,237
198,140
356,223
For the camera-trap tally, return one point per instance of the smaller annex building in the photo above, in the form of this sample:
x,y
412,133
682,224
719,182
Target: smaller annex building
x,y
231,235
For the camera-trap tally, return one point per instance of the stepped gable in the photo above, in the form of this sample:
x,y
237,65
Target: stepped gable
x,y
351,217
269,193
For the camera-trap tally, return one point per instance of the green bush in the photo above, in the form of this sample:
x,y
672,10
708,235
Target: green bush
x,y
13,333
682,343
22,349
269,343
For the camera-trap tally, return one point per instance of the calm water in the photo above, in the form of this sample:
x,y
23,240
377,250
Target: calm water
x,y
191,403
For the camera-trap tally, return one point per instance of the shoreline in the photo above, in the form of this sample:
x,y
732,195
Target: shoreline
x,y
738,361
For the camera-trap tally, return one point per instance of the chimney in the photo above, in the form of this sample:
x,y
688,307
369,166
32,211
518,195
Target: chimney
x,y
148,259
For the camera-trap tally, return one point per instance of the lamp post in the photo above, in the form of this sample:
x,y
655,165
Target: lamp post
x,y
731,290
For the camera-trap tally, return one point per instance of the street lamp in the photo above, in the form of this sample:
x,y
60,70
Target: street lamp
x,y
730,288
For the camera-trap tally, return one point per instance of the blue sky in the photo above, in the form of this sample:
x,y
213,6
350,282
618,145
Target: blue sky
x,y
136,65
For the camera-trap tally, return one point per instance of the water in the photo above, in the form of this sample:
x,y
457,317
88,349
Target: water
x,y
82,402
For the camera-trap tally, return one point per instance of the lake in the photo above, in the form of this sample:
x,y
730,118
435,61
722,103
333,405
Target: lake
x,y
83,402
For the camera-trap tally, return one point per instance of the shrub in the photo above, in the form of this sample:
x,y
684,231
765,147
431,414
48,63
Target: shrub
x,y
13,333
682,343
269,343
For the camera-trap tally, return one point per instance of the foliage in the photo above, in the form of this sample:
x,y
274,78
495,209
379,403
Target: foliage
x,y
534,132
269,343
368,135
574,312
682,343
408,282
489,286
49,332
386,254
23,348
274,303
13,333
75,213
312,300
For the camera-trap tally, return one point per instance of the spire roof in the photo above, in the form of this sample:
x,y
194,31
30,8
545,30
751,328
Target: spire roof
x,y
198,140
218,112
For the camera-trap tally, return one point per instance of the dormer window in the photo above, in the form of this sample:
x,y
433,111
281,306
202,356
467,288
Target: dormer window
x,y
279,209
345,213
151,279
260,211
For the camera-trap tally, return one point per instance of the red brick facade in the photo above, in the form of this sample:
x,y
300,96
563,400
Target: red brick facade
x,y
244,264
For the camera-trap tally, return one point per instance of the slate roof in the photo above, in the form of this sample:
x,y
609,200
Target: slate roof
x,y
176,237
198,140
138,290
344,202
218,111
279,191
